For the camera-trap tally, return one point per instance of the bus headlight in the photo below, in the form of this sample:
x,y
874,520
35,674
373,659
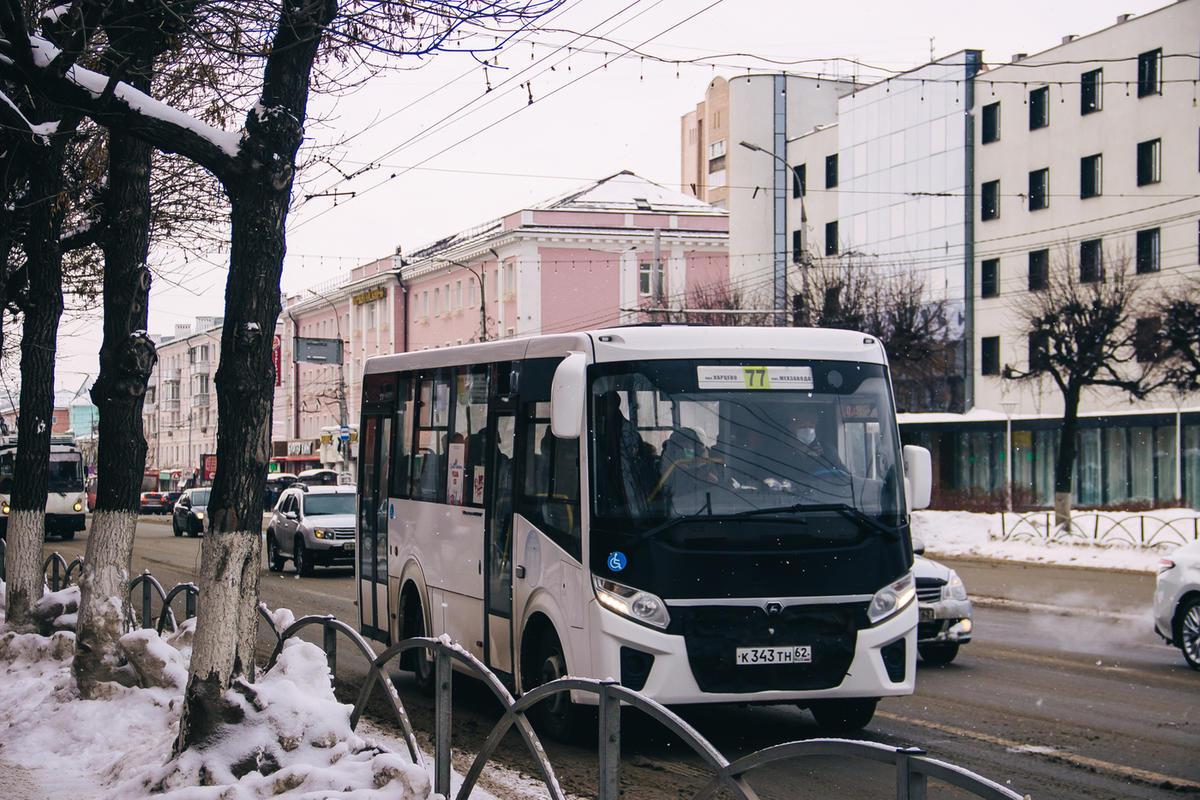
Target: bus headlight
x,y
891,598
78,505
635,604
4,508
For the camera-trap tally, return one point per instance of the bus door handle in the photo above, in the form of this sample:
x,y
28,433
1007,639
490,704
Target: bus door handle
x,y
520,571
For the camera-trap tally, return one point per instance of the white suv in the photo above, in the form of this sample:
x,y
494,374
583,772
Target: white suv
x,y
311,526
1177,601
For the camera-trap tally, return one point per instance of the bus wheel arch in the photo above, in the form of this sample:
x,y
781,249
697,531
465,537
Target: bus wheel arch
x,y
413,623
543,659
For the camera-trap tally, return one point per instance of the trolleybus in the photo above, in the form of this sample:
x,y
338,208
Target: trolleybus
x,y
713,515
66,501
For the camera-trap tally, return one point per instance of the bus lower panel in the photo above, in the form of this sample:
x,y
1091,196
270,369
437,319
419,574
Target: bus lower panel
x,y
56,523
712,635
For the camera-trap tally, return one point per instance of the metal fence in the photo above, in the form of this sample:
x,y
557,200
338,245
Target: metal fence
x,y
913,768
1106,528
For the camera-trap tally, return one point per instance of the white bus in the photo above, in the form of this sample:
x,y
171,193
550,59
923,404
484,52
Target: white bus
x,y
713,515
66,501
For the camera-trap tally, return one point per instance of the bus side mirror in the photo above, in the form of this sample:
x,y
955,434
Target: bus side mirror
x,y
918,476
566,396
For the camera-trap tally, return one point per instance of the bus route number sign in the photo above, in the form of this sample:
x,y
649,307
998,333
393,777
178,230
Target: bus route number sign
x,y
750,656
754,377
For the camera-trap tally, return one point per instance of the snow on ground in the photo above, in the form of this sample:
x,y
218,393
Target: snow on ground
x,y
53,744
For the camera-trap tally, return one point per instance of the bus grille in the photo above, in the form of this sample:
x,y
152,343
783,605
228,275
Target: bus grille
x,y
713,633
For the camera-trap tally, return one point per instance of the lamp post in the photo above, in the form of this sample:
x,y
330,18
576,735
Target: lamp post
x,y
478,276
1009,407
779,279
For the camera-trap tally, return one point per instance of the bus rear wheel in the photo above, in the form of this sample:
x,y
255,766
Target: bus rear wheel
x,y
556,715
419,661
843,716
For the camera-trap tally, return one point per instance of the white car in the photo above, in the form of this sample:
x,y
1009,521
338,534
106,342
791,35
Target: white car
x,y
945,620
1177,601
312,526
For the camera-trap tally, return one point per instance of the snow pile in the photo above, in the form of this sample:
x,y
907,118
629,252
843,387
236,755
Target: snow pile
x,y
967,534
295,739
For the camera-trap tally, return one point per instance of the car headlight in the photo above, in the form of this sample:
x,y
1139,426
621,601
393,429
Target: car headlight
x,y
200,516
323,533
891,598
635,604
78,505
955,589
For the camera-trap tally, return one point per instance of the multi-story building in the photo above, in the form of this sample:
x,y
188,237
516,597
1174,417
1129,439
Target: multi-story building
x,y
596,256
985,182
180,410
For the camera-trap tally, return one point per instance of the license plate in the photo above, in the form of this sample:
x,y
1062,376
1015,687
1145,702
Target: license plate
x,y
750,656
348,546
926,615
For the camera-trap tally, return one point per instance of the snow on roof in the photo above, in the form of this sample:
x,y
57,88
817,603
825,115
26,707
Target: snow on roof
x,y
628,192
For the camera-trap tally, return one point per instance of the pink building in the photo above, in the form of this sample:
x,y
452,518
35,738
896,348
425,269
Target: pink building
x,y
594,257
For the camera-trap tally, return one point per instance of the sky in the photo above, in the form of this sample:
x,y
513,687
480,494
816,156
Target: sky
x,y
436,152
115,747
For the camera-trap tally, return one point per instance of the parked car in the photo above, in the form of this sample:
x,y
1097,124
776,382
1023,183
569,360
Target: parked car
x,y
945,621
152,502
312,525
169,501
190,512
276,483
1177,601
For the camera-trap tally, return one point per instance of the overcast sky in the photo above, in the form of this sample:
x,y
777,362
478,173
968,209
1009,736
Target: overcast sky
x,y
442,153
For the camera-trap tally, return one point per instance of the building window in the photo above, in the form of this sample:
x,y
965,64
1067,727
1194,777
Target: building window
x,y
989,355
797,247
989,206
1147,250
437,302
1039,189
1039,351
1089,176
1039,270
800,180
831,171
1147,338
1150,73
989,278
991,123
1090,95
510,278
1149,162
1039,108
1091,268
831,238
458,297
650,280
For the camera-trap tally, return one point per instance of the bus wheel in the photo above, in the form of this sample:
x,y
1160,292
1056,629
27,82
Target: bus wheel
x,y
67,535
274,560
419,661
556,715
846,716
301,558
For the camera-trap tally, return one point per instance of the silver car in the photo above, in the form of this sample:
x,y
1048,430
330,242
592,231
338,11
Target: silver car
x,y
312,526
1177,601
945,620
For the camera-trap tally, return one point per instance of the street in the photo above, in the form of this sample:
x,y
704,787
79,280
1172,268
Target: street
x,y
1075,698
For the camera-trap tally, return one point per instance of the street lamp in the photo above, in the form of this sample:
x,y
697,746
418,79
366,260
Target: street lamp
x,y
780,235
1009,407
482,298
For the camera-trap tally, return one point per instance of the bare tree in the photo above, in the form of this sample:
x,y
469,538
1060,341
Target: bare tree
x,y
1179,313
1082,335
721,303
256,167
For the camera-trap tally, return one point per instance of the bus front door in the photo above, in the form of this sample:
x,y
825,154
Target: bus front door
x,y
375,452
498,606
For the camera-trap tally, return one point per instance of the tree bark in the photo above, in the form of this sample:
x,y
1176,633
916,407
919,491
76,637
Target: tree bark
x,y
39,339
127,356
227,622
1064,467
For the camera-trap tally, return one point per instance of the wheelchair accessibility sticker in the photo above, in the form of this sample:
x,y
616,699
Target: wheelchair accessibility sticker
x,y
616,561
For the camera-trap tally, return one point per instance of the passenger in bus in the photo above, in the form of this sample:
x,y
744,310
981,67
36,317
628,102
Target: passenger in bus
x,y
687,470
624,464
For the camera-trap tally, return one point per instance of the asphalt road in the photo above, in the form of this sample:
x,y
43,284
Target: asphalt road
x,y
1064,693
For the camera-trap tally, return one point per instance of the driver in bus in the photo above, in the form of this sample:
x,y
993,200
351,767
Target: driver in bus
x,y
806,460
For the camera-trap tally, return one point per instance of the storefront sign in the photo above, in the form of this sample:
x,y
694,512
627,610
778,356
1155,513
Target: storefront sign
x,y
378,293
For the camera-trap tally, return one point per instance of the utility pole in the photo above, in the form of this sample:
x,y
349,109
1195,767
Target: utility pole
x,y
779,281
478,276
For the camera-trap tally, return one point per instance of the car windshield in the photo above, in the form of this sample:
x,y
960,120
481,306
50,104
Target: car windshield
x,y
686,439
200,497
324,504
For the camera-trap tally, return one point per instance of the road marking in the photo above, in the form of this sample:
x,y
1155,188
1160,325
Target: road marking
x,y
1146,776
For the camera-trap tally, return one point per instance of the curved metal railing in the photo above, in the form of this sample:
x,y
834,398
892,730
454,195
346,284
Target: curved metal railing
x,y
1107,528
61,572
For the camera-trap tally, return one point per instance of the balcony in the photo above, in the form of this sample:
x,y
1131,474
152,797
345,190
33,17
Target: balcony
x,y
149,408
170,375
200,400
201,366
170,404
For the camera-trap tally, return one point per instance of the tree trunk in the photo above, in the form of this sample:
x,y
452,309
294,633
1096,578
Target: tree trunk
x,y
39,339
1064,467
127,357
227,622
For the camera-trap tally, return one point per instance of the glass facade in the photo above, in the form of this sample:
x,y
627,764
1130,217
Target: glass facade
x,y
1121,462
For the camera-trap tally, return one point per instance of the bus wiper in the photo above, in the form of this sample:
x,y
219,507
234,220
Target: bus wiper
x,y
705,511
846,510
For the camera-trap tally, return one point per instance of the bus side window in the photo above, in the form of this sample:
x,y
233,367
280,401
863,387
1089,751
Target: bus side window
x,y
550,484
400,483
433,439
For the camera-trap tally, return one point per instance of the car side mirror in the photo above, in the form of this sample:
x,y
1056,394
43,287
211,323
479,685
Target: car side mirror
x,y
292,515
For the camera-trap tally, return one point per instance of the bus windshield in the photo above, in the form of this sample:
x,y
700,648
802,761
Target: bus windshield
x,y
66,472
718,438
